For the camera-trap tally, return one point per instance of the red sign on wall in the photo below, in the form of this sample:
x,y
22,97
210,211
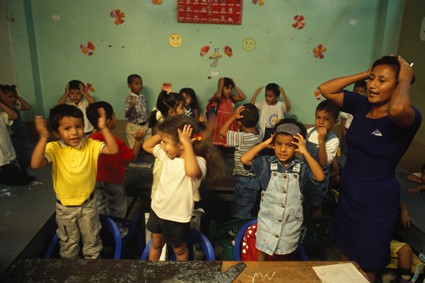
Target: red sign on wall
x,y
210,11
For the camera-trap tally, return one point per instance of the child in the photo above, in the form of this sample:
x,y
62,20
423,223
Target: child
x,y
109,189
77,95
74,167
7,153
191,103
187,160
283,175
167,104
136,109
417,177
249,135
322,144
226,100
21,139
271,109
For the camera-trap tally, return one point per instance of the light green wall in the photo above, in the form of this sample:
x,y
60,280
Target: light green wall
x,y
46,36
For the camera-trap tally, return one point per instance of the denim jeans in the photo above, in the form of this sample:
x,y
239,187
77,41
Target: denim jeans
x,y
244,196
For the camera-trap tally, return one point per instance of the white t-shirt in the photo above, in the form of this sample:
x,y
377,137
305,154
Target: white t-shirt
x,y
88,127
330,145
270,114
348,118
173,199
7,152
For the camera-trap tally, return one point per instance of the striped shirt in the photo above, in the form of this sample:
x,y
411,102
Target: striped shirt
x,y
242,142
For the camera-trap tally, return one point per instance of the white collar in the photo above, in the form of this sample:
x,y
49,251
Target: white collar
x,y
63,145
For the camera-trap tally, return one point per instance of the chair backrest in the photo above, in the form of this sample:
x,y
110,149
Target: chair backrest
x,y
194,237
107,223
241,234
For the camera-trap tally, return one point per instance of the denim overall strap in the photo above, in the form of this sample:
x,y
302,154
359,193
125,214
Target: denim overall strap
x,y
280,216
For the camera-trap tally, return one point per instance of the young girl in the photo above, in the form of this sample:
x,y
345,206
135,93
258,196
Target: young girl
x,y
283,175
226,100
191,103
167,104
187,160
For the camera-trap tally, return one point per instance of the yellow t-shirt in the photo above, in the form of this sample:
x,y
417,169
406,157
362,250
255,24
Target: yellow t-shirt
x,y
395,247
74,169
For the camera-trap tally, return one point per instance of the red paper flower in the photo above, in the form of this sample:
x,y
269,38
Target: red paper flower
x,y
89,87
318,51
299,22
228,50
118,15
204,50
88,49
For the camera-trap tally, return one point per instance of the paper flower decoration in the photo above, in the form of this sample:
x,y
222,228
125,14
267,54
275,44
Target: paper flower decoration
x,y
260,2
204,50
88,49
318,51
89,87
299,22
228,50
157,2
118,15
317,94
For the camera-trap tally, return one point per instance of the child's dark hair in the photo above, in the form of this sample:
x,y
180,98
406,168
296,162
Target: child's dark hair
x,y
250,115
75,84
132,77
201,147
191,93
360,84
303,130
164,103
8,88
329,107
63,110
228,82
274,88
391,61
93,113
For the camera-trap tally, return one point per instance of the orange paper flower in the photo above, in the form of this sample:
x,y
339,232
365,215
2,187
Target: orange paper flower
x,y
88,49
318,51
299,22
118,15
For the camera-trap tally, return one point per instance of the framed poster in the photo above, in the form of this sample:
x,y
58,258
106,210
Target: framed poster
x,y
210,11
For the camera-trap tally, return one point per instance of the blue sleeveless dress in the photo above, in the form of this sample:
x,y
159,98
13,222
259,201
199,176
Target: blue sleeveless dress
x,y
370,193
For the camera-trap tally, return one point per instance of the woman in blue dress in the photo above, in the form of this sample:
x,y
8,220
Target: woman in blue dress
x,y
383,127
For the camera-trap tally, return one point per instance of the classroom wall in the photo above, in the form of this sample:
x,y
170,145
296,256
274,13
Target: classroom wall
x,y
46,38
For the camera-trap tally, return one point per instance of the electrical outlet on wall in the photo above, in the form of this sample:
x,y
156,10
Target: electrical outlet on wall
x,y
422,31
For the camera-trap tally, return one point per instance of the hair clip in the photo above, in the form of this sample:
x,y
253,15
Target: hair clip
x,y
197,137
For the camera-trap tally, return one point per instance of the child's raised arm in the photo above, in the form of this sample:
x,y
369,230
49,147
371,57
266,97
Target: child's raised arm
x,y
241,95
247,158
138,137
62,99
111,146
256,93
236,115
315,167
285,99
86,94
37,159
149,144
191,166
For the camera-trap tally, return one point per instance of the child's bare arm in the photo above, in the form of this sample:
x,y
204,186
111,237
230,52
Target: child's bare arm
x,y
37,159
191,165
25,106
217,94
149,144
111,146
241,95
285,99
138,137
11,114
256,93
86,94
236,115
247,158
321,138
406,221
315,167
62,99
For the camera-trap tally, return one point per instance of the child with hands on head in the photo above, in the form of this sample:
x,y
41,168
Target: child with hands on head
x,y
74,168
283,175
76,94
178,145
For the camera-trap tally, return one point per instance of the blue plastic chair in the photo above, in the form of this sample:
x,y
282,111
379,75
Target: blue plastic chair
x,y
107,223
241,234
195,237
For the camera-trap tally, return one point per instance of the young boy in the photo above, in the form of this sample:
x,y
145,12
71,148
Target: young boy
x,y
136,110
271,109
249,135
322,143
109,189
77,95
74,167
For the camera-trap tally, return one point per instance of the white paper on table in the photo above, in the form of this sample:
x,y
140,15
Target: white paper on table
x,y
337,273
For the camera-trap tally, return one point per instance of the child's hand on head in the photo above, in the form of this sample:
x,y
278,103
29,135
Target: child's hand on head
x,y
138,134
82,88
300,143
41,127
185,134
258,90
269,141
67,89
101,121
238,112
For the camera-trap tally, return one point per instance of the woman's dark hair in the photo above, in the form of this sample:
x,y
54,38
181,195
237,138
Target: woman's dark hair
x,y
193,99
63,110
164,103
391,61
93,114
201,147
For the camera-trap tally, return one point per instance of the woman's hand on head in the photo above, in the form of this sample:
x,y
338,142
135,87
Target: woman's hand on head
x,y
406,70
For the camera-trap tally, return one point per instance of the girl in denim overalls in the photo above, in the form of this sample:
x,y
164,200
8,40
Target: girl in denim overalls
x,y
283,175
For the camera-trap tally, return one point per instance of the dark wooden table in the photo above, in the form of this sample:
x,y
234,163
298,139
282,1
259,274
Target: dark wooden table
x,y
59,270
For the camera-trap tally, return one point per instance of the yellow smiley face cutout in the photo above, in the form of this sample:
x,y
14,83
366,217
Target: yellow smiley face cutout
x,y
175,40
248,44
